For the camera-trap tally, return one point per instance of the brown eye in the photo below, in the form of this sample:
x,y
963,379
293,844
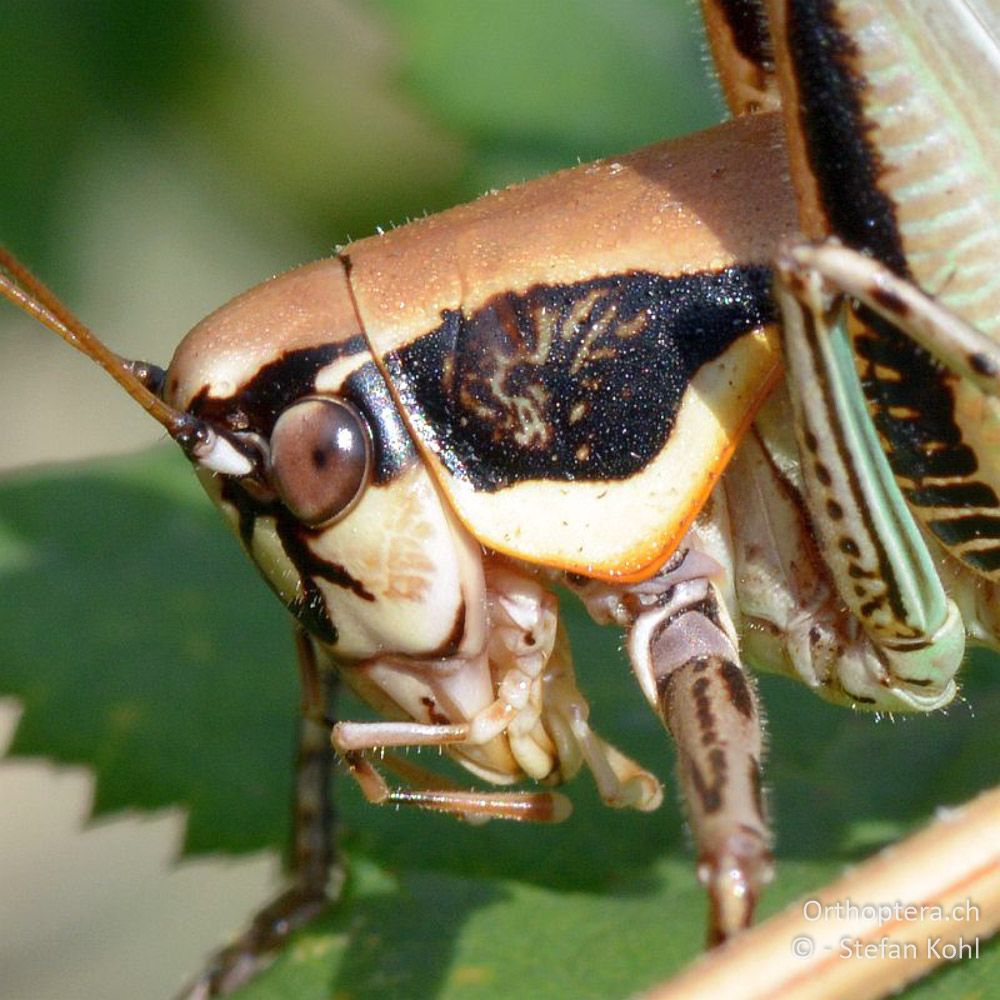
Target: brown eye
x,y
320,457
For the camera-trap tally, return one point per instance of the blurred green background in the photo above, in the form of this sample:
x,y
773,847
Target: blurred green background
x,y
155,160
158,158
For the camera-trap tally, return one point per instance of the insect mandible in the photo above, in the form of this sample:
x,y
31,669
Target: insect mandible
x,y
509,432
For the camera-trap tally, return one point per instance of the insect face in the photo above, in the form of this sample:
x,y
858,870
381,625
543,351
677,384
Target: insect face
x,y
333,504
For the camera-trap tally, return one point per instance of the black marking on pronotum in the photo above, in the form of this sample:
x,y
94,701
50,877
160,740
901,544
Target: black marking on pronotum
x,y
393,447
748,23
572,382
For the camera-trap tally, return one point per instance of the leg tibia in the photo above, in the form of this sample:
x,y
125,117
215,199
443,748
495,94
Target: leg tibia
x,y
312,861
687,651
430,791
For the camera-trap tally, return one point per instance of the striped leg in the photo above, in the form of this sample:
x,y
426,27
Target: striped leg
x,y
312,860
876,553
683,648
686,650
959,347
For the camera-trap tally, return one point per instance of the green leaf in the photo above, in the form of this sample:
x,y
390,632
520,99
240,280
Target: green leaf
x,y
536,87
143,646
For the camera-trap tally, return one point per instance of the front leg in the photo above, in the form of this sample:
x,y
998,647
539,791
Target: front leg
x,y
684,650
353,741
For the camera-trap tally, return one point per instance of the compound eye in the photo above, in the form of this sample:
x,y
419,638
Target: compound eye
x,y
320,458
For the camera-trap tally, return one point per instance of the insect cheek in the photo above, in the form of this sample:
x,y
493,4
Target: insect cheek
x,y
417,585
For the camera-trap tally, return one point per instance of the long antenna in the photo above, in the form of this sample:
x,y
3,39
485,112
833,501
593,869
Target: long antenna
x,y
23,289
211,449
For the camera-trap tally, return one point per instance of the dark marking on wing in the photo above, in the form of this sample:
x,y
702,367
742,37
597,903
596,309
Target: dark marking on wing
x,y
959,494
572,382
958,530
913,407
985,560
751,36
909,394
831,116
